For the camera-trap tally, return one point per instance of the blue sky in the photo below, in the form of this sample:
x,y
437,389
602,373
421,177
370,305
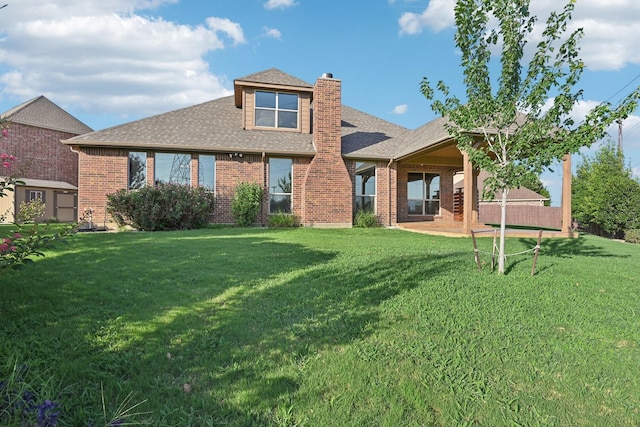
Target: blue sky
x,y
110,62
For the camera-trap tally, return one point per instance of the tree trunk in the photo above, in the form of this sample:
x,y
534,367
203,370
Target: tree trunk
x,y
503,221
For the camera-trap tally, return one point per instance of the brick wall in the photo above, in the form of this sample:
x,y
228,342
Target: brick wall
x,y
40,154
230,171
103,171
386,200
327,186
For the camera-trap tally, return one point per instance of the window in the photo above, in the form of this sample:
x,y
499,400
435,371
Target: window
x,y
365,187
207,172
35,195
423,193
137,170
173,168
276,109
280,185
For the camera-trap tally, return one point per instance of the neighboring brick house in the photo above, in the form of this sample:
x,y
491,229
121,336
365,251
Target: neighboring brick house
x,y
48,169
314,157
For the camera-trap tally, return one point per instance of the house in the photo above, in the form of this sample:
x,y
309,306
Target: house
x,y
521,196
314,157
47,168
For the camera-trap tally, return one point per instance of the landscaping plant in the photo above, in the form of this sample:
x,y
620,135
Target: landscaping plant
x,y
245,206
282,220
162,207
366,219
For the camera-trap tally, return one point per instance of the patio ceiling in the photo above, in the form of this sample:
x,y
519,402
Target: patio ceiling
x,y
445,154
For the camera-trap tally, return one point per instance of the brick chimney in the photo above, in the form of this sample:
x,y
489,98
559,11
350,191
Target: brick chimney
x,y
328,192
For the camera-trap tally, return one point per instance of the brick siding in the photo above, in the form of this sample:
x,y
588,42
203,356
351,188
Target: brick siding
x,y
327,186
40,154
103,171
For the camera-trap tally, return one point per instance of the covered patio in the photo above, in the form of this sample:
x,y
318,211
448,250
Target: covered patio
x,y
459,212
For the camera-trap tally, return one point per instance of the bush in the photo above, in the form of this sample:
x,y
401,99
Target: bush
x,y
32,211
282,220
245,206
632,236
366,219
162,207
29,240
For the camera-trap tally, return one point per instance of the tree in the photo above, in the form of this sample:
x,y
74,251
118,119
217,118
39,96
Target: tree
x,y
523,125
533,182
606,197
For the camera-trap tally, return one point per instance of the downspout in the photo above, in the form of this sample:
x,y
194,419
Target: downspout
x,y
264,186
389,192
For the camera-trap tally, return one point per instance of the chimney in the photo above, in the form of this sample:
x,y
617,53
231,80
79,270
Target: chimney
x,y
327,114
327,186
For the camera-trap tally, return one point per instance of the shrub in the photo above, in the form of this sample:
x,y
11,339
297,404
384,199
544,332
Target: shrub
x,y
162,207
632,236
26,241
282,220
30,211
245,206
366,219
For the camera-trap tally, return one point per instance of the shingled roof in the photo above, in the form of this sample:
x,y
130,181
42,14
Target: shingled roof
x,y
213,125
274,76
41,112
216,126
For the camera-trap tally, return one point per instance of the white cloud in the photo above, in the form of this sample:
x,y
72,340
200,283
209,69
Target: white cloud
x,y
611,28
231,29
279,4
107,57
438,15
271,33
400,109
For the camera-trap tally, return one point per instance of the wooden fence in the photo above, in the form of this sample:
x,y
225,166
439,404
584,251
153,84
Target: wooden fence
x,y
522,215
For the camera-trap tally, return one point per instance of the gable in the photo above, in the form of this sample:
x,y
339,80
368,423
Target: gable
x,y
41,112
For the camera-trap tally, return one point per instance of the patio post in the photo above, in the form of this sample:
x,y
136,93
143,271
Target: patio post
x,y
566,196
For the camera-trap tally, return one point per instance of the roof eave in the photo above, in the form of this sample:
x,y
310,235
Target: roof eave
x,y
183,148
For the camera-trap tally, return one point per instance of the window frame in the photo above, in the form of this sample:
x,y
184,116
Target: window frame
x,y
427,197
361,195
272,188
201,178
39,195
143,183
276,109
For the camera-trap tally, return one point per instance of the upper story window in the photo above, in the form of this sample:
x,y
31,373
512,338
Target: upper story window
x,y
276,109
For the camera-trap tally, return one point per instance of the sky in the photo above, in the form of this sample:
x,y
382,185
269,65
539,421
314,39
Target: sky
x,y
111,62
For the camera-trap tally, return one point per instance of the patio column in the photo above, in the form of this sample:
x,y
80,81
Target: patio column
x,y
566,196
470,188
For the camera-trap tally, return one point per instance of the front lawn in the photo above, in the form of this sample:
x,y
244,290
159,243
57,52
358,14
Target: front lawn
x,y
317,327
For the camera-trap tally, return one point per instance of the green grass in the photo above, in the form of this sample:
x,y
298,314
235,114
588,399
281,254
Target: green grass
x,y
309,327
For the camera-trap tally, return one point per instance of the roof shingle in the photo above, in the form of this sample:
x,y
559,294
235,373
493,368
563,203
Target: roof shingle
x,y
41,112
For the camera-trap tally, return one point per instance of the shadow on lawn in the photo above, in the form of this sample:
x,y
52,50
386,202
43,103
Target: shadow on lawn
x,y
239,336
263,341
567,248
